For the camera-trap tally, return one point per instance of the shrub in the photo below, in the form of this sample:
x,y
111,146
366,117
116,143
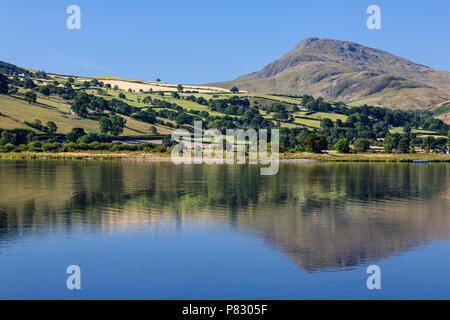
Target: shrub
x,y
34,146
314,143
361,145
342,146
51,147
8,147
69,147
75,134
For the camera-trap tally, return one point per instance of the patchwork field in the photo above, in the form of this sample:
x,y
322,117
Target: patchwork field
x,y
15,111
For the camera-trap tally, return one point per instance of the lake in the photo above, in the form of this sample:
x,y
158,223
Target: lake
x,y
155,230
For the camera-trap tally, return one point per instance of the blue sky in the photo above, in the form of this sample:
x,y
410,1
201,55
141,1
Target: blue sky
x,y
207,41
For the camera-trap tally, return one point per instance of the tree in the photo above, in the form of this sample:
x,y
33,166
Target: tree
x,y
147,100
30,96
388,145
29,84
152,129
13,90
167,141
79,109
361,145
51,127
158,80
116,87
314,143
114,125
448,138
41,74
122,96
338,123
45,91
180,88
3,84
428,143
105,125
403,145
118,124
342,146
407,130
7,137
175,95
183,118
75,134
326,123
234,90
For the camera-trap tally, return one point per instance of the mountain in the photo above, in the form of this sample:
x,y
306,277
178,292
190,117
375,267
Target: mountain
x,y
347,71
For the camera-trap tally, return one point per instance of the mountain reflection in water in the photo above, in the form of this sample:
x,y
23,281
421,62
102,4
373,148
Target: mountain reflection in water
x,y
322,216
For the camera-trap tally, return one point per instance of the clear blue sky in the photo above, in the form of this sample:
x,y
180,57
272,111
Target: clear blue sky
x,y
206,41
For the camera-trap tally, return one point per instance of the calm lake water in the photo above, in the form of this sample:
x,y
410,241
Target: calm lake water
x,y
154,230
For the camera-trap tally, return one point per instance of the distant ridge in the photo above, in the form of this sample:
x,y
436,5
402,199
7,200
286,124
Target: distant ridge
x,y
347,71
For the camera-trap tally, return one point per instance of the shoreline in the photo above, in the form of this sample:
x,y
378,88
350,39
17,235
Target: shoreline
x,y
284,157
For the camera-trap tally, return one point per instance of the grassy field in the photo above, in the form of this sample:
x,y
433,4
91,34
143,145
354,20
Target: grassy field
x,y
307,122
137,155
132,99
137,85
417,131
289,100
14,111
445,108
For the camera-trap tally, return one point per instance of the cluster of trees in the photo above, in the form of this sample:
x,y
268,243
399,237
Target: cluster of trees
x,y
15,137
83,102
316,105
236,113
113,125
293,139
50,127
66,92
56,146
364,126
361,145
19,140
3,84
279,112
231,106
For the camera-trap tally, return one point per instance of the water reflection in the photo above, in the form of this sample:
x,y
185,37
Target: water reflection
x,y
323,216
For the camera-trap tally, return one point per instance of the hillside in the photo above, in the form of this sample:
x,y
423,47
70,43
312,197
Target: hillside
x,y
140,112
347,71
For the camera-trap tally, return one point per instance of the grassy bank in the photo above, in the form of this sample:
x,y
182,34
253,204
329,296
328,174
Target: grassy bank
x,y
368,157
105,155
85,155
